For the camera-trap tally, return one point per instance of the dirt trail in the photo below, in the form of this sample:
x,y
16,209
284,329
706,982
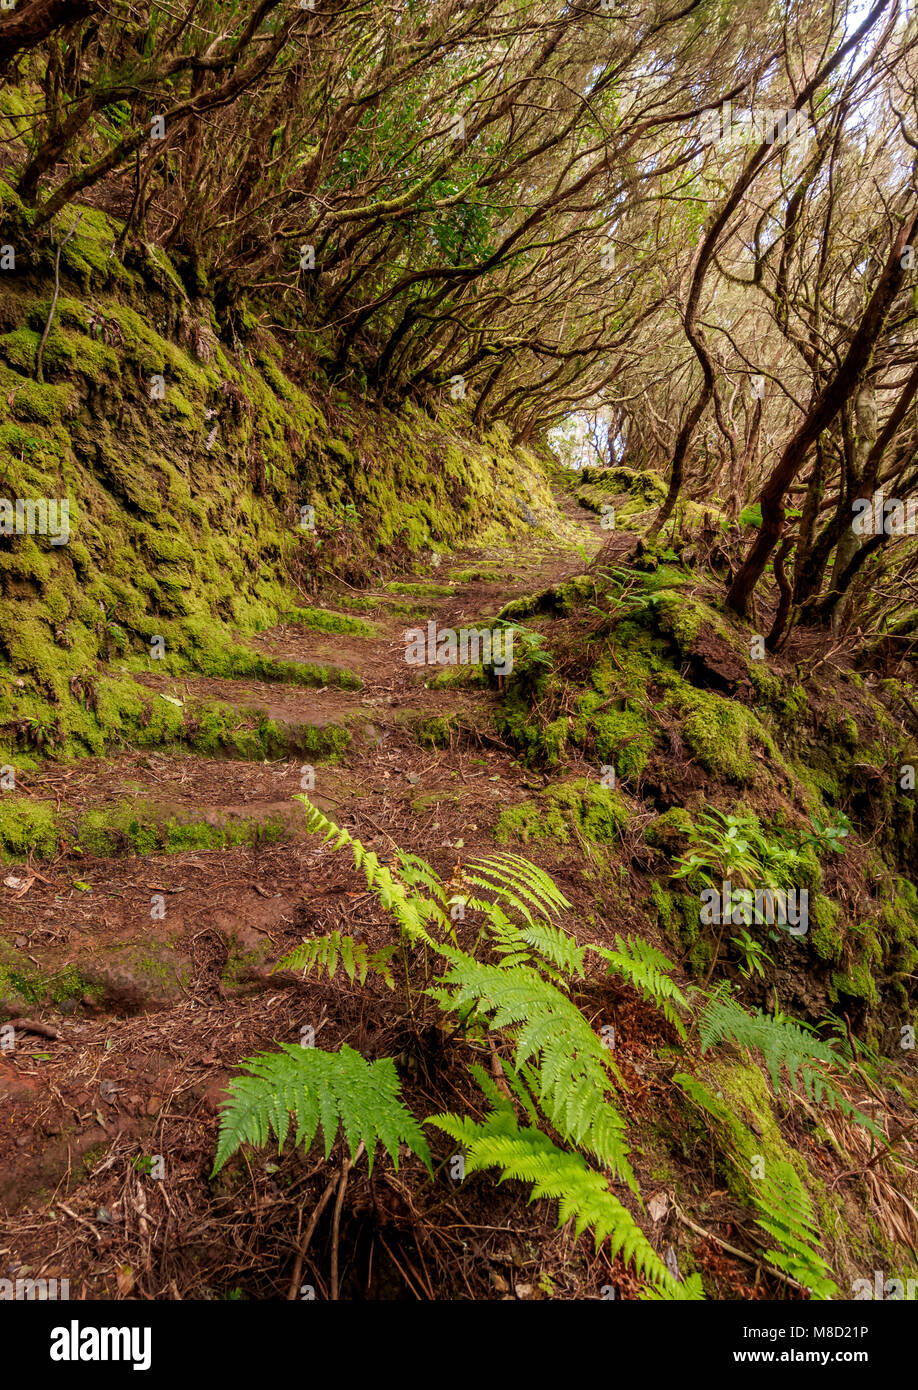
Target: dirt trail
x,y
155,965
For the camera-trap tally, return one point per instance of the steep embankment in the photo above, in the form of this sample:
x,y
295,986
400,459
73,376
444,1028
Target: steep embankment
x,y
210,489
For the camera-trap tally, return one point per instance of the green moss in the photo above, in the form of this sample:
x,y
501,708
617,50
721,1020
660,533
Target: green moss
x,y
682,617
633,491
24,983
579,809
64,351
722,734
557,599
169,534
670,831
458,677
473,576
857,982
795,705
619,737
825,933
663,904
142,828
438,730
27,827
733,1103
324,620
768,686
36,401
847,729
421,590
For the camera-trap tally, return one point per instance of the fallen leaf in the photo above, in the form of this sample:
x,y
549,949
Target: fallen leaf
x,y
658,1206
125,1276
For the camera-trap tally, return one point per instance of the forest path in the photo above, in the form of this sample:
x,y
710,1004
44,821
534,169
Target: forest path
x,y
149,962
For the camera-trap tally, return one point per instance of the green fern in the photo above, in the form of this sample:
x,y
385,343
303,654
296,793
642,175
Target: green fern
x,y
786,1214
647,969
582,1194
415,871
518,882
541,944
410,910
573,1070
318,1088
810,1061
325,953
782,1202
561,1070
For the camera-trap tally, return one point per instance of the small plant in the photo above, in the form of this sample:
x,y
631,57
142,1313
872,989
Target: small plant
x,y
721,849
787,1045
736,848
753,956
549,1119
827,839
534,648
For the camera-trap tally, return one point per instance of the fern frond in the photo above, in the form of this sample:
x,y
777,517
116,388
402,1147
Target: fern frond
x,y
414,871
781,1201
786,1214
556,951
518,882
556,947
505,936
648,970
582,1194
691,1290
811,1062
410,911
325,953
571,1070
318,1088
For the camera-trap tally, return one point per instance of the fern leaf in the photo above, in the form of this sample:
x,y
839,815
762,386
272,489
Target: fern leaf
x,y
318,1089
571,1069
323,953
810,1061
649,971
582,1194
782,1203
518,882
415,870
786,1214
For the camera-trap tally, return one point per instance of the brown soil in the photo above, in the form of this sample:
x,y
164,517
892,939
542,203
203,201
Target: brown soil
x,y
139,1062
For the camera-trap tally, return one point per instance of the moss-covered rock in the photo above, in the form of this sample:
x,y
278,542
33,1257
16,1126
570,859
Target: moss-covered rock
x,y
578,810
670,831
723,734
27,827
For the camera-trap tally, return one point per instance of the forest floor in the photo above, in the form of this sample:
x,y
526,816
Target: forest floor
x,y
133,1070
143,945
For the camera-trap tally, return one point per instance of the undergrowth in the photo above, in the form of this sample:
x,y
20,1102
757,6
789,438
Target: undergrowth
x,y
553,1117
